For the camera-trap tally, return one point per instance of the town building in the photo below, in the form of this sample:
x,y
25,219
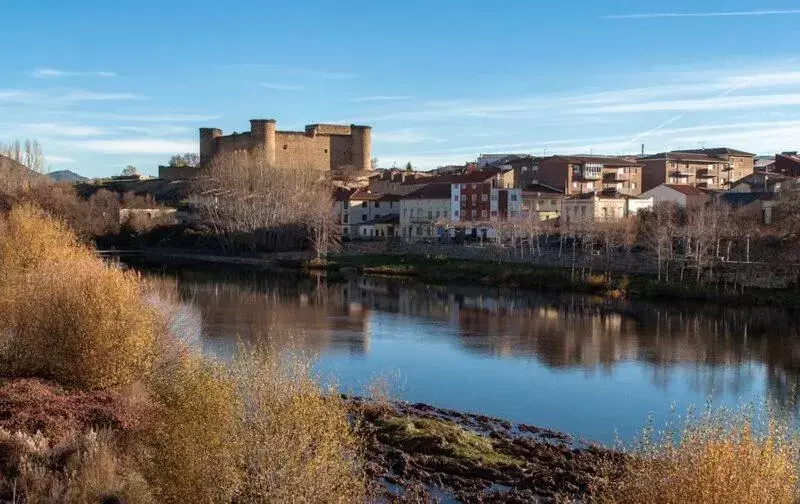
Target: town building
x,y
422,210
685,196
756,205
398,181
524,168
484,196
353,207
485,160
709,168
762,182
341,149
594,207
787,163
581,174
382,227
542,201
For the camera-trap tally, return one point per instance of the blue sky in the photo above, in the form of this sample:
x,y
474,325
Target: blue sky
x,y
106,83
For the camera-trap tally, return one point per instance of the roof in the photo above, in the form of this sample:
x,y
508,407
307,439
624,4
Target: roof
x,y
760,178
604,160
432,191
473,177
541,188
684,156
738,200
383,219
688,190
717,151
362,195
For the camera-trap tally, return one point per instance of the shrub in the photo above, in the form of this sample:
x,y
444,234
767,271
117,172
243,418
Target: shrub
x,y
65,314
82,469
298,443
719,458
191,449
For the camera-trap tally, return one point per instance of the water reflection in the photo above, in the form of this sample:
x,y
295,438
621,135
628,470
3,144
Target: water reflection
x,y
569,362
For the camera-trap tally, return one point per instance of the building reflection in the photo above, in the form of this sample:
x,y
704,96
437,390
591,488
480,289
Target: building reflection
x,y
712,349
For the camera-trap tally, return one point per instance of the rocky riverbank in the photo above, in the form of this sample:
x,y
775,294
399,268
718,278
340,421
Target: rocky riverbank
x,y
424,454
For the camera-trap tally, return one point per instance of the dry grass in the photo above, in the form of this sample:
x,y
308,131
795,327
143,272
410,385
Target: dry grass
x,y
299,445
82,469
720,458
66,315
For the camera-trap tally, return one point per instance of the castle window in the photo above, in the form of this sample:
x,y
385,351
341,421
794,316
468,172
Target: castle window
x,y
326,151
285,146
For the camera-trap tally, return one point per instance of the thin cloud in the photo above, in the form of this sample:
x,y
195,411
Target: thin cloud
x,y
405,136
59,159
282,87
54,72
82,96
657,15
67,130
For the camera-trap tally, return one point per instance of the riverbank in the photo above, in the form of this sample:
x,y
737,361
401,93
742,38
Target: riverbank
x,y
444,270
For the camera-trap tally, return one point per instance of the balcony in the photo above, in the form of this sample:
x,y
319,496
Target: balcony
x,y
681,173
614,177
705,173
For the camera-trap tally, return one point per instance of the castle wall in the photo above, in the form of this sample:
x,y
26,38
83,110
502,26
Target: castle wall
x,y
320,146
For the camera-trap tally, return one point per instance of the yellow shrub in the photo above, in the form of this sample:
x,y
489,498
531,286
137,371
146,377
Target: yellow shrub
x,y
718,459
298,443
66,315
192,452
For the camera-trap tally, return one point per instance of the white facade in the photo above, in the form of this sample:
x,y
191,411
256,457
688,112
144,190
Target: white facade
x,y
418,217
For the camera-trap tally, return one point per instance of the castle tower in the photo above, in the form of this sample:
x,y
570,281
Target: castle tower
x,y
208,144
262,136
362,146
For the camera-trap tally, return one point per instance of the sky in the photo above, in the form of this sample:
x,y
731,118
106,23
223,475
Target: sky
x,y
106,83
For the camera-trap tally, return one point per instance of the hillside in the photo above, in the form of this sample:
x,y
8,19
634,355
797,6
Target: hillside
x,y
67,176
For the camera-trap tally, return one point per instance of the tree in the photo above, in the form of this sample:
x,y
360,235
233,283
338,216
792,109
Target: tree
x,y
409,167
130,171
28,153
373,163
188,159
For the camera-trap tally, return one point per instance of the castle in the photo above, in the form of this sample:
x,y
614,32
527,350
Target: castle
x,y
325,146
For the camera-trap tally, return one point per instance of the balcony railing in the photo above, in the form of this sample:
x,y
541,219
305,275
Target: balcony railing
x,y
705,173
681,173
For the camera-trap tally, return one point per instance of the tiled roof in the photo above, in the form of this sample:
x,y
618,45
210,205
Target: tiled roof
x,y
473,177
684,156
604,160
432,191
738,200
541,188
688,190
717,151
362,195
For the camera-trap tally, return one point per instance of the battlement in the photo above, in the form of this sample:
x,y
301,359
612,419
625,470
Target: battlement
x,y
334,147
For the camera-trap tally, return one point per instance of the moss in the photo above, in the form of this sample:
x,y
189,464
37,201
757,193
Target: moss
x,y
437,437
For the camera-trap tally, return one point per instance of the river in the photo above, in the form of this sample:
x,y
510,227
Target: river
x,y
591,367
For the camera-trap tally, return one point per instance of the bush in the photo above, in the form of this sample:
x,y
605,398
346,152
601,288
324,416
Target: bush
x,y
191,450
298,443
719,458
65,314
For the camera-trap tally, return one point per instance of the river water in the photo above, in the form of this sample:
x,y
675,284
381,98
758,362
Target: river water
x,y
594,368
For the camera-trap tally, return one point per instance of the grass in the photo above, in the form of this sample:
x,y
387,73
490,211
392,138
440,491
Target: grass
x,y
436,437
721,457
446,271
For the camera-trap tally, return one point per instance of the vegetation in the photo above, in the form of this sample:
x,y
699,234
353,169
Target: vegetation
x,y
153,422
28,153
720,457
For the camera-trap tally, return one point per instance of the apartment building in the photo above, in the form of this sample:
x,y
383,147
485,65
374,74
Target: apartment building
x,y
708,169
356,206
398,181
484,196
542,201
592,208
421,210
685,196
581,174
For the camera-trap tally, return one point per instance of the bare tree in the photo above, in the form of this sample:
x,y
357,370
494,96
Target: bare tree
x,y
249,202
28,153
130,171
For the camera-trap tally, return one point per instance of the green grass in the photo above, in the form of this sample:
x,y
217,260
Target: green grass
x,y
436,437
445,271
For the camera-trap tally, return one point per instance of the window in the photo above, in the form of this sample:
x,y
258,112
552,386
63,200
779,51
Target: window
x,y
513,197
474,198
455,213
326,151
437,214
455,198
430,214
552,202
285,146
474,213
346,218
463,198
483,213
633,185
346,204
445,213
513,213
363,217
494,196
405,212
494,213
363,204
524,169
474,186
377,204
377,215
484,197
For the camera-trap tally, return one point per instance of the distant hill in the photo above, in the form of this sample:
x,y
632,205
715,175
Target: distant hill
x,y
67,176
12,170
